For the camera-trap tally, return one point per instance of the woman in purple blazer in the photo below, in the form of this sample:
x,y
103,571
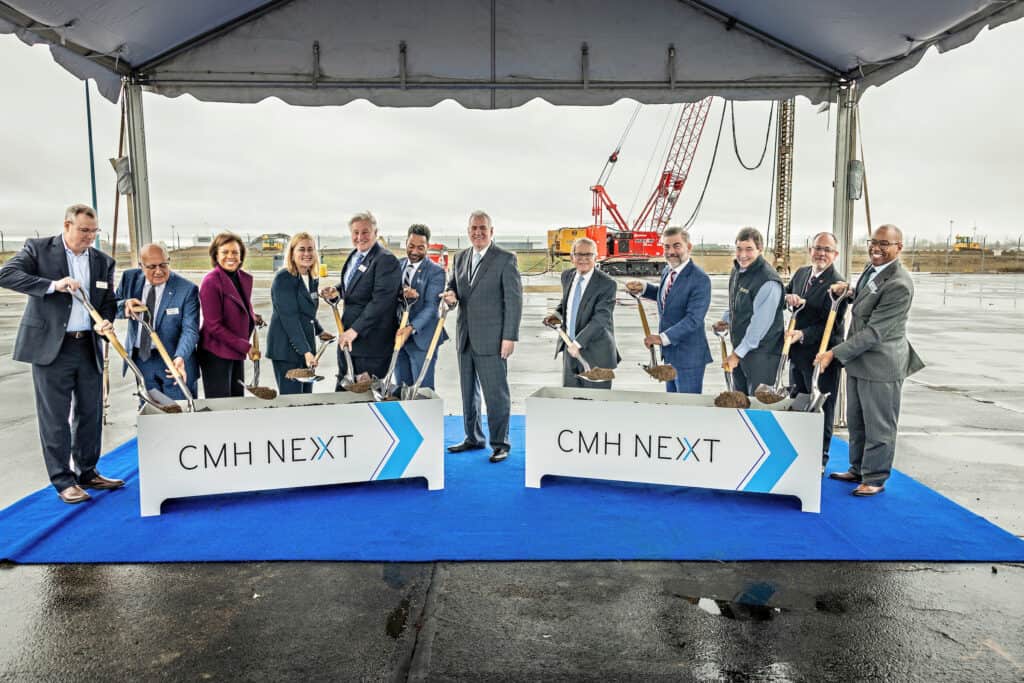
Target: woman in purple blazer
x,y
225,298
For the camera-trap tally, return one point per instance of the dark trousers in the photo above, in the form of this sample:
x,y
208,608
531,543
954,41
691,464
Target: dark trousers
x,y
221,375
377,366
489,373
70,385
155,372
687,381
754,369
410,363
290,386
800,373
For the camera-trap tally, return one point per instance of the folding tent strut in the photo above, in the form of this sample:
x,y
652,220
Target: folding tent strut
x,y
842,204
143,228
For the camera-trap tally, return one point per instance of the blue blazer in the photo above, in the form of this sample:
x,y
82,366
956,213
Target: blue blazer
x,y
176,320
682,316
429,282
293,325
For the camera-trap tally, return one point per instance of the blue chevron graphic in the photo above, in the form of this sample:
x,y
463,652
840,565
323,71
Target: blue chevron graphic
x,y
781,453
407,440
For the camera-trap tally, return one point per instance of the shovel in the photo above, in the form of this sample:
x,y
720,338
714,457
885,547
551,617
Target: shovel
x,y
773,394
141,310
266,393
813,402
662,373
155,398
589,374
409,393
382,387
348,382
730,398
307,375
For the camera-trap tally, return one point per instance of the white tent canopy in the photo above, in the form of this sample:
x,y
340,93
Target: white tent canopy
x,y
496,53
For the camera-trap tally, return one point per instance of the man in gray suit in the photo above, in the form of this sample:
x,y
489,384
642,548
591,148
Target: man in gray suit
x,y
57,337
587,306
485,285
878,358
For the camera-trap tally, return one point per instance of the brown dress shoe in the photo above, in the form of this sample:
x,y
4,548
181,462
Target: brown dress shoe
x,y
868,490
74,494
101,483
844,476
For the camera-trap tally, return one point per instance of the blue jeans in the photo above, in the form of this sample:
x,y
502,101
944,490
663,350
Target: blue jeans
x,y
687,381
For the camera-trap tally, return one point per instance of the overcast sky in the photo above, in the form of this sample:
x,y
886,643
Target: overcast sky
x,y
942,142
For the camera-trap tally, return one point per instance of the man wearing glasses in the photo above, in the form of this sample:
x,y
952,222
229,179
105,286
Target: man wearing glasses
x,y
172,303
877,357
809,288
683,296
56,336
586,309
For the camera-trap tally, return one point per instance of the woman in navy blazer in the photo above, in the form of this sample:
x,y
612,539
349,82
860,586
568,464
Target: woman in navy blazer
x,y
291,340
225,298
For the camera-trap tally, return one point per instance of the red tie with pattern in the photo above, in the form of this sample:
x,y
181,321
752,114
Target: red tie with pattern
x,y
668,286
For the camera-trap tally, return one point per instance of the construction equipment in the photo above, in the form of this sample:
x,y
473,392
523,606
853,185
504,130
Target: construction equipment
x,y
784,183
625,249
966,243
438,253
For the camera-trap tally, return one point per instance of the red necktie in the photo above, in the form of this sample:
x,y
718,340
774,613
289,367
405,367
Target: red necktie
x,y
668,286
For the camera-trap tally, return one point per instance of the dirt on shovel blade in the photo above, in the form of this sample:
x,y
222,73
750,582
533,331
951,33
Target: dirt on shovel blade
x,y
662,373
768,397
171,409
359,387
300,373
732,399
262,392
599,374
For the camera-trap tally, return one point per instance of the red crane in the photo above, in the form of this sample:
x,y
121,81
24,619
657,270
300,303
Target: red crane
x,y
636,249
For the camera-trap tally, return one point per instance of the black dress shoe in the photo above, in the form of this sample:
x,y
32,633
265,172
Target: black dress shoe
x,y
465,446
499,454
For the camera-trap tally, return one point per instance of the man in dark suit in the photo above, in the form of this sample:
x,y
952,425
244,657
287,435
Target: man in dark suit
x,y
370,285
59,339
173,304
586,309
422,285
683,296
877,357
487,289
809,288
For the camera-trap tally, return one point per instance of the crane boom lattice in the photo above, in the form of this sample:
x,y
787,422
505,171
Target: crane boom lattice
x,y
784,184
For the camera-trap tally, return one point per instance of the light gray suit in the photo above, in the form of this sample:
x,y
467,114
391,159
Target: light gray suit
x,y
878,358
595,329
490,308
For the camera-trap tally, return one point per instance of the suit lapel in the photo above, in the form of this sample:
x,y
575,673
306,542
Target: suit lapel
x,y
60,255
363,267
485,262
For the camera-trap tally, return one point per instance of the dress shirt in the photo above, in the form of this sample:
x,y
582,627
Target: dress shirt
x,y
410,272
78,268
477,256
873,273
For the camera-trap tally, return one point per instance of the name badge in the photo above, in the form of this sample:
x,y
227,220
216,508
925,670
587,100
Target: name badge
x,y
172,311
102,284
872,287
314,296
362,268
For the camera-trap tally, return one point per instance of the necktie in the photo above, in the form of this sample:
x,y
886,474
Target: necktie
x,y
407,280
809,283
477,256
354,269
574,309
145,340
668,286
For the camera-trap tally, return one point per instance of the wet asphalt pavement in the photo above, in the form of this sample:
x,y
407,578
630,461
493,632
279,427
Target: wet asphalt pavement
x,y
961,434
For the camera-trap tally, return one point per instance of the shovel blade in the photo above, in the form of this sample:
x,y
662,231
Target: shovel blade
x,y
809,403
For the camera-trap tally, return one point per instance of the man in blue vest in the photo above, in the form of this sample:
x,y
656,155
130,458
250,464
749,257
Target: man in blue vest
x,y
422,285
683,296
754,315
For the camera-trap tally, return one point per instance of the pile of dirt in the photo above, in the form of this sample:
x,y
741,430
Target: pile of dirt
x,y
599,375
662,373
768,397
300,373
265,393
732,399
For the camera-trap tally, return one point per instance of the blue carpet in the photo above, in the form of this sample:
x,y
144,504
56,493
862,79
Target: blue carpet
x,y
485,513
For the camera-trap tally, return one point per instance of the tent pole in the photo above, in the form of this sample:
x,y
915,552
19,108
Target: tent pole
x,y
842,205
142,230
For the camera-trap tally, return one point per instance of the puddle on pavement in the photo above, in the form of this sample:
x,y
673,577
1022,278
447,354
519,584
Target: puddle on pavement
x,y
749,605
395,623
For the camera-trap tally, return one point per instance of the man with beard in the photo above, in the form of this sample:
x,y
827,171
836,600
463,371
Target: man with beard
x,y
422,285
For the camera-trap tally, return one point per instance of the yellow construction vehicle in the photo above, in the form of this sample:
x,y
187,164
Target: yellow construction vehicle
x,y
966,243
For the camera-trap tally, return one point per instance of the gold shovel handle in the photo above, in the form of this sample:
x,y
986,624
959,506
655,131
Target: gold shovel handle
x,y
787,341
823,347
399,341
98,319
643,317
254,352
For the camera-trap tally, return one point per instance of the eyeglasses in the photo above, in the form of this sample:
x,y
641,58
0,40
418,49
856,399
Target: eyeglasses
x,y
154,266
884,244
824,250
587,255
